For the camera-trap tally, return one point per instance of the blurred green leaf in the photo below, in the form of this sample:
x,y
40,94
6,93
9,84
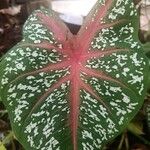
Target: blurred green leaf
x,y
135,128
146,48
2,147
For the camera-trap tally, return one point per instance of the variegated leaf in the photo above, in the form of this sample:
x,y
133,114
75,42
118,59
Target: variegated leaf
x,y
74,92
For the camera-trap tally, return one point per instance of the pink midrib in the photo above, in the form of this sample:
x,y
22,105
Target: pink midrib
x,y
75,102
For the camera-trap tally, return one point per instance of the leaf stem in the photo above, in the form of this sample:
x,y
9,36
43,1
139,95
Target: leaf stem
x,y
8,137
121,142
126,141
141,138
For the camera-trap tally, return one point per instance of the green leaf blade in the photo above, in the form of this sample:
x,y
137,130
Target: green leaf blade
x,y
73,92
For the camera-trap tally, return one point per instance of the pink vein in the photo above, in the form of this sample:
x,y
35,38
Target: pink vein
x,y
93,26
108,25
101,75
102,11
51,89
91,91
99,53
47,46
90,33
61,32
47,68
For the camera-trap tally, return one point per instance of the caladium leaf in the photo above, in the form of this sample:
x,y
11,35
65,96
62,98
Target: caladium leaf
x,y
73,92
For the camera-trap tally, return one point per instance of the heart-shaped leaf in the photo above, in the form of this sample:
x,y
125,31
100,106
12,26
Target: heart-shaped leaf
x,y
74,92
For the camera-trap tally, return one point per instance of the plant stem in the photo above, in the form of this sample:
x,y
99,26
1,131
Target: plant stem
x,y
121,142
126,141
141,138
